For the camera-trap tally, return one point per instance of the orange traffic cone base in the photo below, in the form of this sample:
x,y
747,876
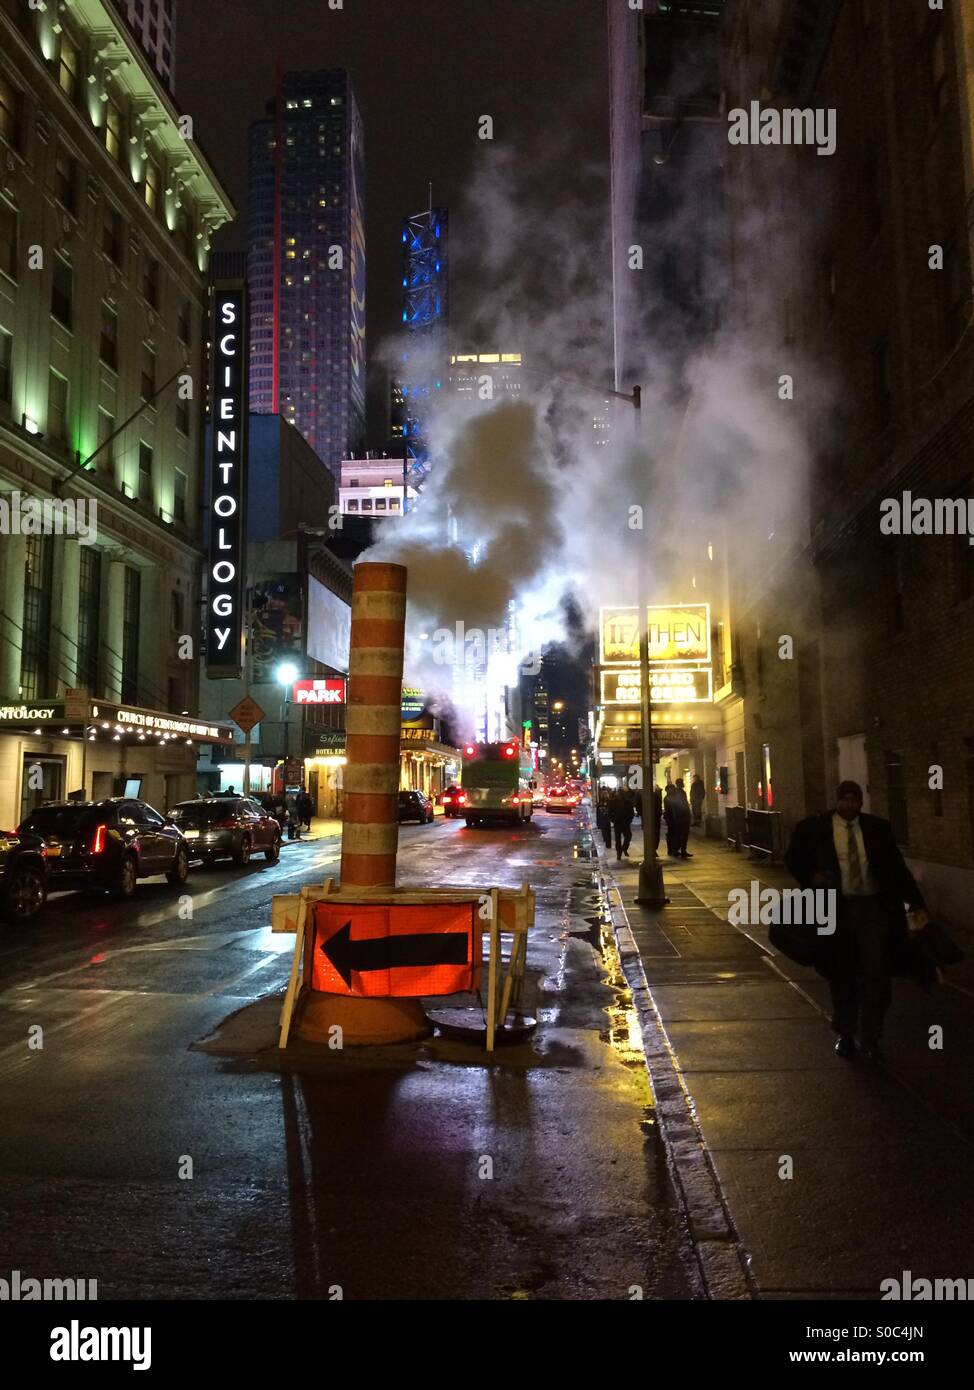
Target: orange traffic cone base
x,y
364,1022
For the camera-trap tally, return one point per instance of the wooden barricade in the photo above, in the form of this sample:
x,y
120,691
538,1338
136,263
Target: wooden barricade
x,y
509,912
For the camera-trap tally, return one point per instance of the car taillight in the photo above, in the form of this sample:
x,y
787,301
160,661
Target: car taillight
x,y
224,825
98,843
515,801
461,799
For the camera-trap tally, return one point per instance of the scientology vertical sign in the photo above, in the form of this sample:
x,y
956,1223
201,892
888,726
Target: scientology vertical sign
x,y
228,482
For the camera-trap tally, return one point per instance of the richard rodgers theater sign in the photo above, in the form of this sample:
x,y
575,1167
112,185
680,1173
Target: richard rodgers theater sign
x,y
228,482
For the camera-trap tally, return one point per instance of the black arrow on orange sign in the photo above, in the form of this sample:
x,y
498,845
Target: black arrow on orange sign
x,y
390,952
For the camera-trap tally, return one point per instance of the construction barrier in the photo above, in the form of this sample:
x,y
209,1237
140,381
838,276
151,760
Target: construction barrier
x,y
406,943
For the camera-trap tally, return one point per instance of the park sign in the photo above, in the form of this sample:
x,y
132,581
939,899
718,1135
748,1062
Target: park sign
x,y
678,633
228,482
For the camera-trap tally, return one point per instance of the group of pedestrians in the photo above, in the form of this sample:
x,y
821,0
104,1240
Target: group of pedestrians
x,y
617,809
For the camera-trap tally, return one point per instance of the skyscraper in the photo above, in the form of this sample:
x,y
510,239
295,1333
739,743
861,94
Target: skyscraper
x,y
154,23
306,267
425,315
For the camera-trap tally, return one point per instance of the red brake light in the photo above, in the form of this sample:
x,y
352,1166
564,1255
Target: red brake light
x,y
470,750
224,824
461,799
509,750
98,843
515,801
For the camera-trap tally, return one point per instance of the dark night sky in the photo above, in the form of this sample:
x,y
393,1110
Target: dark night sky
x,y
424,70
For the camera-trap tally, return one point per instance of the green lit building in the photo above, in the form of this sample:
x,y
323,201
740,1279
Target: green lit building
x,y
107,207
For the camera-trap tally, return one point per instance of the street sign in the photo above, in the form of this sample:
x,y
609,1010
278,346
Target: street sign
x,y
247,713
324,690
387,951
77,705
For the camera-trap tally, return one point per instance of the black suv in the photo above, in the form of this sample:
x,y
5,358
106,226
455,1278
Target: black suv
x,y
107,844
23,876
415,806
231,827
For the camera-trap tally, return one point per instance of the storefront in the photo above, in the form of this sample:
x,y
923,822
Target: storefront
x,y
89,750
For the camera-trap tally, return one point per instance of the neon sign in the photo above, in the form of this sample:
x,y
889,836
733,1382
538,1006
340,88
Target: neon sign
x,y
228,470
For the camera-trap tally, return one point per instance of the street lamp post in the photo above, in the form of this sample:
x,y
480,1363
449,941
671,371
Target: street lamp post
x,y
287,674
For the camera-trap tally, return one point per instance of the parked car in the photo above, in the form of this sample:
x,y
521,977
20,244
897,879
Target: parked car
x,y
561,799
23,876
415,806
453,800
107,844
274,806
234,827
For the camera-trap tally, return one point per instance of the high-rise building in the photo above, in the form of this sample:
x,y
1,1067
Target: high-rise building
x,y
425,316
154,24
485,376
307,262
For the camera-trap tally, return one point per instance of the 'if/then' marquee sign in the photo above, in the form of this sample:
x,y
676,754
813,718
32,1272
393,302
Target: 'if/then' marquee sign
x,y
228,482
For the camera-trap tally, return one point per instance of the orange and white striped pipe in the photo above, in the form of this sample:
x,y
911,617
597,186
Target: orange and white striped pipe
x,y
370,835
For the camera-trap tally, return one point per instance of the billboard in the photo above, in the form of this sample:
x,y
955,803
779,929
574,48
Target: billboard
x,y
329,626
677,633
227,483
278,625
690,685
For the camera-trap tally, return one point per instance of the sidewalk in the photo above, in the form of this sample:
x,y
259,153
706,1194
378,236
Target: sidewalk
x,y
740,1055
320,830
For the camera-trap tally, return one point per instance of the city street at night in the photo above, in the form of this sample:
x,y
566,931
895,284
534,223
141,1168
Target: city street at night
x,y
356,1170
486,669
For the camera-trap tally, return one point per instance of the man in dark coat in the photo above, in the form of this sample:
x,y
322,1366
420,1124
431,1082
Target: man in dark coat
x,y
621,811
698,795
857,856
676,808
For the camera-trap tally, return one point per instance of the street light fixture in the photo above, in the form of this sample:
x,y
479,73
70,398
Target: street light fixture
x,y
287,674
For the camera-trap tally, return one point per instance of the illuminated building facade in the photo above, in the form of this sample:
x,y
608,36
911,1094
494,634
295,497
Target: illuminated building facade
x,y
154,24
306,262
425,316
478,378
98,174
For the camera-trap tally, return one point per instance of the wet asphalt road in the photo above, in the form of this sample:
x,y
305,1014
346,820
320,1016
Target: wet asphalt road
x,y
133,1155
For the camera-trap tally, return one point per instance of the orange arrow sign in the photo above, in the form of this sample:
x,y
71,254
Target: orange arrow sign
x,y
387,951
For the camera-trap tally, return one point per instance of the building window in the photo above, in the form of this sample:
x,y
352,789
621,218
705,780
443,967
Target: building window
x,y
67,68
61,291
150,281
148,374
108,343
57,408
113,129
180,493
6,358
66,179
112,233
35,652
145,473
184,322
177,620
130,635
106,428
8,239
153,180
182,416
11,113
89,617
896,798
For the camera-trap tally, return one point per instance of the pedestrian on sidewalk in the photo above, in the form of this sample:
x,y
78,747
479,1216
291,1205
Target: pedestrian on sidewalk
x,y
676,809
698,795
602,817
657,815
621,811
856,856
305,808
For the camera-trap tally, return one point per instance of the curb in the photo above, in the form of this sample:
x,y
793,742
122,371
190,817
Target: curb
x,y
723,1261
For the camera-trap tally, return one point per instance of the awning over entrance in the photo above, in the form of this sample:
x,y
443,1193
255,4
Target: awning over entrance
x,y
99,720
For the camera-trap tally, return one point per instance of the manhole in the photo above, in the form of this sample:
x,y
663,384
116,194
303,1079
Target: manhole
x,y
468,1025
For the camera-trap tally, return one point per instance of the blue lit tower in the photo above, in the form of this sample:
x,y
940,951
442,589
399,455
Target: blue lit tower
x,y
306,266
425,296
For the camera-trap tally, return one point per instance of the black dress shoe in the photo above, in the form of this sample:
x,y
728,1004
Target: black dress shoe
x,y
845,1047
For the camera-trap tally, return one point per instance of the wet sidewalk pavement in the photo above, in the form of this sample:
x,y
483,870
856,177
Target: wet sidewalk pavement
x,y
815,1176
